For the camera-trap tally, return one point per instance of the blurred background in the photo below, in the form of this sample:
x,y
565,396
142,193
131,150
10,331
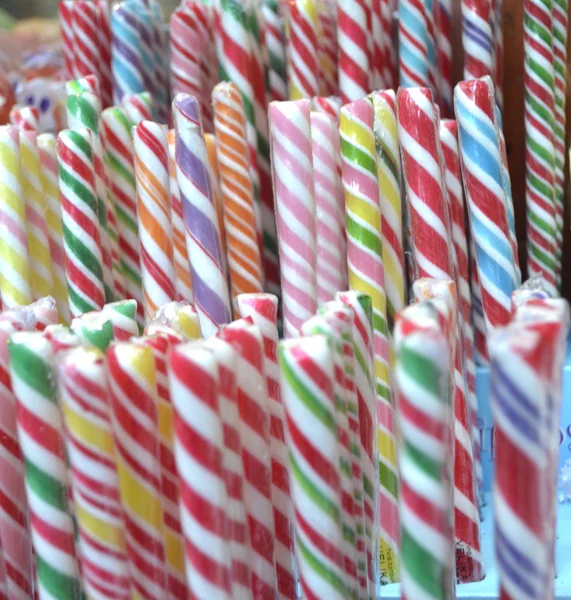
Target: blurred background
x,y
48,8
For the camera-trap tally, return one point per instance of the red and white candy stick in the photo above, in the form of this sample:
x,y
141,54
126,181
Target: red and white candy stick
x,y
263,310
65,11
138,107
85,23
255,439
26,118
198,443
105,43
303,50
295,210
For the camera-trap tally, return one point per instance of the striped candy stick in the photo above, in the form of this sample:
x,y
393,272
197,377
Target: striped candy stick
x,y
448,137
307,392
83,396
483,188
477,38
14,526
65,13
153,202
540,141
105,42
389,176
180,254
94,329
83,111
519,387
122,195
364,257
123,317
133,401
194,384
141,19
38,240
84,268
321,325
244,260
26,118
15,287
327,47
86,48
295,210
302,50
263,310
377,55
331,268
233,469
443,18
254,428
422,375
202,234
415,43
160,346
49,180
274,41
559,28
354,61
40,432
138,107
469,566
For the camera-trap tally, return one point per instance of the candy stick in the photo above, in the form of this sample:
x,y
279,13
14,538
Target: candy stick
x,y
38,242
364,257
133,397
138,107
202,235
82,384
194,384
448,138
302,49
83,111
123,317
331,268
539,140
263,310
86,48
182,317
93,329
443,10
126,58
122,194
477,38
15,287
254,430
414,44
84,269
105,40
388,164
160,58
377,56
274,40
295,210
559,28
354,67
307,393
26,118
244,261
49,181
155,231
519,402
327,47
422,375
160,346
14,527
40,431
180,254
214,175
65,12
486,206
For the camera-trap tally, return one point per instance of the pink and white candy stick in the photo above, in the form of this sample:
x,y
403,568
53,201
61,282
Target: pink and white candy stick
x,y
295,210
254,429
263,310
331,265
198,443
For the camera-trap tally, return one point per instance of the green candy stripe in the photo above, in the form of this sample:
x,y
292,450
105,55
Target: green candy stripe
x,y
96,333
319,567
57,584
370,239
355,154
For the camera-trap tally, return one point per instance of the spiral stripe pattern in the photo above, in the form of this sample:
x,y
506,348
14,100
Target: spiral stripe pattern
x,y
138,107
443,10
93,473
105,40
40,431
65,13
477,38
84,265
26,118
263,310
202,235
295,210
302,50
327,48
352,26
481,170
274,40
86,47
133,401
540,141
378,54
415,44
123,317
307,393
243,251
155,230
15,285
